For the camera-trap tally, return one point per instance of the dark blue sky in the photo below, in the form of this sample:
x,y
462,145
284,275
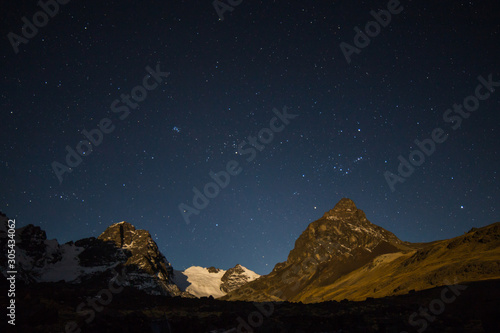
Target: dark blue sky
x,y
226,77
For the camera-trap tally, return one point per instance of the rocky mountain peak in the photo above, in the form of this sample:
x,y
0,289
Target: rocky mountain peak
x,y
236,277
345,204
121,247
32,239
340,242
341,233
345,208
143,257
31,233
213,269
119,233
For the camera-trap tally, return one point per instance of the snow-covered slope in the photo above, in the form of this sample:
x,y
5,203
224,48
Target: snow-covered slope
x,y
200,281
204,282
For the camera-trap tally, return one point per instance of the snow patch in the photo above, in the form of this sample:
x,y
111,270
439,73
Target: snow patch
x,y
251,274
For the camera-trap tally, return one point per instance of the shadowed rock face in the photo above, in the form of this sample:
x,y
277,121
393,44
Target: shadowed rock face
x,y
212,269
148,266
31,240
233,279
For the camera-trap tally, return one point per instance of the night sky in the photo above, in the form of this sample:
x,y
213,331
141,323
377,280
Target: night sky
x,y
227,80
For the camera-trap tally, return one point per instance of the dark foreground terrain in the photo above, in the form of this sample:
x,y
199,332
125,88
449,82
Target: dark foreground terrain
x,y
471,307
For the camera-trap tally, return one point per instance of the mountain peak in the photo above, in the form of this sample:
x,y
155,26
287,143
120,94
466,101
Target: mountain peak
x,y
120,233
213,269
343,232
149,265
123,224
344,206
236,277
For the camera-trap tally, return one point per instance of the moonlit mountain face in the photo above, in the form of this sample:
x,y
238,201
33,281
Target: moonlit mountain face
x,y
344,256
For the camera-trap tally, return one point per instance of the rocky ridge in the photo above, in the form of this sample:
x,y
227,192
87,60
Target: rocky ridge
x,y
236,277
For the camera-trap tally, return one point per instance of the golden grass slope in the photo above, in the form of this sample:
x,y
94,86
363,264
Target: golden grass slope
x,y
474,256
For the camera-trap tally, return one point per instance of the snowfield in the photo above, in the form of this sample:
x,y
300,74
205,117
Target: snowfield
x,y
199,282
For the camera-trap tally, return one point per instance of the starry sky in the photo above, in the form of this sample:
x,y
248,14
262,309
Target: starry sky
x,y
227,80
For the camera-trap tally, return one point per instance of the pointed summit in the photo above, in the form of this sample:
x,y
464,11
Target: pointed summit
x,y
342,232
340,242
236,277
122,224
345,207
151,270
120,233
345,204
